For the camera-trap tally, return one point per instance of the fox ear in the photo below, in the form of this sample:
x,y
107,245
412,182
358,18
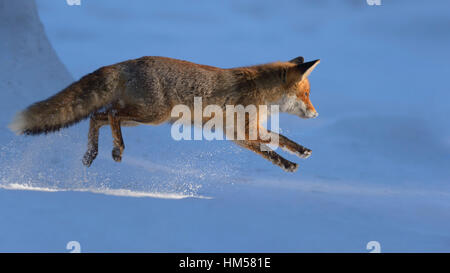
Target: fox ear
x,y
306,68
298,60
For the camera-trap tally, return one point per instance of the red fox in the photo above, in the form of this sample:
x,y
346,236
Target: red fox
x,y
144,90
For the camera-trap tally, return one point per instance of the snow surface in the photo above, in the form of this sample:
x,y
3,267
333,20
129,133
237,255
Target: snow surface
x,y
381,145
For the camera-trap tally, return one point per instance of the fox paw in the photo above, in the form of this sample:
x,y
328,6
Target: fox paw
x,y
304,153
290,167
285,164
299,151
88,157
117,154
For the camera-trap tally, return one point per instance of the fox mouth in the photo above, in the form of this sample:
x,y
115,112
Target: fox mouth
x,y
308,114
313,114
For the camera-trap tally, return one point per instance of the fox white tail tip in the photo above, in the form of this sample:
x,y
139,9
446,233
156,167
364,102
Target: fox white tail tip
x,y
19,124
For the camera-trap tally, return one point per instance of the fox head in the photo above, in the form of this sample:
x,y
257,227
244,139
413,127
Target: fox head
x,y
296,99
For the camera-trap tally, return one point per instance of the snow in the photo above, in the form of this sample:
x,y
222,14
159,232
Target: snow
x,y
115,192
381,144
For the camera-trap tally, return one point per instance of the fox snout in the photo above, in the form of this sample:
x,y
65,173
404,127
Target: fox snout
x,y
311,114
310,111
298,107
307,111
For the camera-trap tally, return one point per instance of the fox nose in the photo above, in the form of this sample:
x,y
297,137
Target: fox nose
x,y
314,114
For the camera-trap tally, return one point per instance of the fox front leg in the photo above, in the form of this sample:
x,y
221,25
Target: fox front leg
x,y
268,154
114,123
97,120
290,146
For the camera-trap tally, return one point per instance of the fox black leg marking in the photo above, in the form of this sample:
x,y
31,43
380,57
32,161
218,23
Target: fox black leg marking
x,y
92,147
119,146
97,120
293,147
269,154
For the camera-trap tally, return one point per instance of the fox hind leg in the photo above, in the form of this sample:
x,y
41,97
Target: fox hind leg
x,y
97,120
118,145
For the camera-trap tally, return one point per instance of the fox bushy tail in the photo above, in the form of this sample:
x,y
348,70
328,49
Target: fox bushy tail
x,y
73,104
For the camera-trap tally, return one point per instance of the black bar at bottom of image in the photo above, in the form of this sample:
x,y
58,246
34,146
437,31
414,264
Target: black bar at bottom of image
x,y
227,262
